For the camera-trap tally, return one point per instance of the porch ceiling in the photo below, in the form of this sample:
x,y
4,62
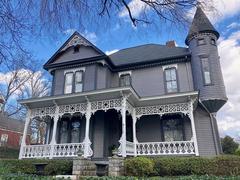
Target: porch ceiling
x,y
106,94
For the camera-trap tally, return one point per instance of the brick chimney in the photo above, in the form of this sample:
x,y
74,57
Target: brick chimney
x,y
171,44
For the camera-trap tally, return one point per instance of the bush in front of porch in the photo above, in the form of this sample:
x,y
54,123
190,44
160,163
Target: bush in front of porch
x,y
53,167
184,166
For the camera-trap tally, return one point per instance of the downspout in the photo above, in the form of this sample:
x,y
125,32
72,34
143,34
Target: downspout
x,y
212,118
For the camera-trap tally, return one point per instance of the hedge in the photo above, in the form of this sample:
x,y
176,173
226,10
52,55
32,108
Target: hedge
x,y
53,167
8,153
184,166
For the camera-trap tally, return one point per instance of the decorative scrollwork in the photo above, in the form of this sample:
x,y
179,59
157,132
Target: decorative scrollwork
x,y
106,104
50,111
163,109
129,108
73,108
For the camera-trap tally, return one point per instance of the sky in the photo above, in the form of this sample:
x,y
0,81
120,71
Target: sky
x,y
123,35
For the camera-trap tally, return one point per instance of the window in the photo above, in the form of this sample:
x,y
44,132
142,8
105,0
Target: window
x,y
20,140
68,83
201,41
125,80
75,131
76,49
173,130
213,41
206,71
4,138
64,132
171,80
79,81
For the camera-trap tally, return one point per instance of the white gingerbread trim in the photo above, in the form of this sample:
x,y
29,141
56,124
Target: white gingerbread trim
x,y
74,70
169,66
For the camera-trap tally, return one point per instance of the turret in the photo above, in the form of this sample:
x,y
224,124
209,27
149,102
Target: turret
x,y
207,75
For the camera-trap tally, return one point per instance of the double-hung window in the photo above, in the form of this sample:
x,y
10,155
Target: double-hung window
x,y
68,83
125,80
73,82
78,81
206,71
171,80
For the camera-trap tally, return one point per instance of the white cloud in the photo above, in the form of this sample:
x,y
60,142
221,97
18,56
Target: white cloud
x,y
69,31
221,10
229,116
111,52
90,36
136,7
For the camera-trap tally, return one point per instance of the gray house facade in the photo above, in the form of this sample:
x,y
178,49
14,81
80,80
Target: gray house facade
x,y
140,101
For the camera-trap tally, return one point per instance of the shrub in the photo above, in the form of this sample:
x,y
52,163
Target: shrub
x,y
53,167
139,166
237,152
58,167
185,166
8,153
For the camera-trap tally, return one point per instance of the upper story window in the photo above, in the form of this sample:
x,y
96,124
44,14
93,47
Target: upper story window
x,y
213,41
206,71
171,80
125,79
68,83
78,81
73,80
201,41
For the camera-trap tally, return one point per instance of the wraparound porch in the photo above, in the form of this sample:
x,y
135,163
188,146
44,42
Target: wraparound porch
x,y
129,116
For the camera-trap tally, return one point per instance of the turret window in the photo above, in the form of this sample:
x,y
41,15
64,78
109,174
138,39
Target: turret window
x,y
201,41
213,42
171,80
206,71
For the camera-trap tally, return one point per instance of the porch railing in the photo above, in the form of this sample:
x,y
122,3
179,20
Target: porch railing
x,y
36,151
49,151
166,148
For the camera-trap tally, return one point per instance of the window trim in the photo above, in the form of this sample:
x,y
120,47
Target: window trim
x,y
210,71
165,80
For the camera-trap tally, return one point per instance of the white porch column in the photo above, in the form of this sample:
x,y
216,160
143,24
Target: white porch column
x,y
87,143
123,137
135,141
23,143
194,134
53,140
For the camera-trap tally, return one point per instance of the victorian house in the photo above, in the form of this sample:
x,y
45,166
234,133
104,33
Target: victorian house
x,y
142,101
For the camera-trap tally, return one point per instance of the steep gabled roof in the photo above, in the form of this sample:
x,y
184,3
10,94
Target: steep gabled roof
x,y
200,24
146,54
74,40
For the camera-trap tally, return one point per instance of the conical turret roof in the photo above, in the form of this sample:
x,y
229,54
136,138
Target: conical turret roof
x,y
200,24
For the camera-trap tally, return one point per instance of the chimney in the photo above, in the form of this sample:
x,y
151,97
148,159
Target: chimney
x,y
171,44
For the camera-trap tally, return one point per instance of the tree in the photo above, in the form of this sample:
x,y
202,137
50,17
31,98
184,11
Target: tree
x,y
19,84
229,146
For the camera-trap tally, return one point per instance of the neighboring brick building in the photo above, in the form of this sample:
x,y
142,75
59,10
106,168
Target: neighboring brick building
x,y
11,130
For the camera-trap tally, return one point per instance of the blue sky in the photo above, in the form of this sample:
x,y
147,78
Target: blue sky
x,y
121,34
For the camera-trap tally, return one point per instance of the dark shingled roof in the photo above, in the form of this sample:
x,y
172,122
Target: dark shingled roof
x,y
200,24
10,123
146,53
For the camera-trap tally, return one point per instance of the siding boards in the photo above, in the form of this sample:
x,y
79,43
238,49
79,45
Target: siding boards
x,y
204,133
